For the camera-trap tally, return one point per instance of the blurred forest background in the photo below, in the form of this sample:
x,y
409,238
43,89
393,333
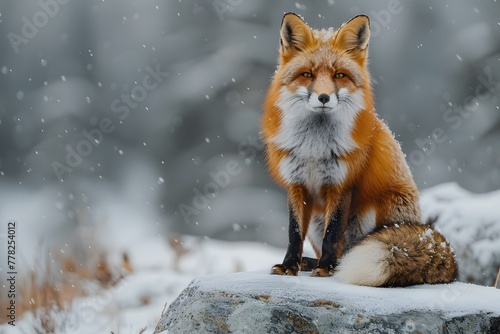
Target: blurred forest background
x,y
145,114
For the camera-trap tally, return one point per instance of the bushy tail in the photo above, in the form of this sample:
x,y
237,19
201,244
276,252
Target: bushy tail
x,y
399,255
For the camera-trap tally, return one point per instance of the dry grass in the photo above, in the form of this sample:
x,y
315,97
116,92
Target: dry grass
x,y
176,244
38,289
55,281
58,278
47,290
497,281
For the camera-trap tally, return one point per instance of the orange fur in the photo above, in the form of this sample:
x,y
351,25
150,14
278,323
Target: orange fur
x,y
372,166
362,173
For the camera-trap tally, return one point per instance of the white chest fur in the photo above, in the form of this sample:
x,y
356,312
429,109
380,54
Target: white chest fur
x,y
315,140
313,173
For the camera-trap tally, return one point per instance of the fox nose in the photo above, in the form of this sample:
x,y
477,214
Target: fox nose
x,y
324,98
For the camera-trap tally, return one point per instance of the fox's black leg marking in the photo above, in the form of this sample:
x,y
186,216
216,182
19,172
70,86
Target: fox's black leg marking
x,y
333,237
293,254
331,240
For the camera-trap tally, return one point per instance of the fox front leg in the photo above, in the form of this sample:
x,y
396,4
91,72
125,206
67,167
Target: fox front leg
x,y
290,265
300,207
336,223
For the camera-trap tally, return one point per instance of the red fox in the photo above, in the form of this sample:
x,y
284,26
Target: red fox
x,y
350,190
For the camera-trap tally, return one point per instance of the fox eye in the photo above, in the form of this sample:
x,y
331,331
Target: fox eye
x,y
307,75
339,75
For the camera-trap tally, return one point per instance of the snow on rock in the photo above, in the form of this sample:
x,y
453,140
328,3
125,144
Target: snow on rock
x,y
256,302
472,224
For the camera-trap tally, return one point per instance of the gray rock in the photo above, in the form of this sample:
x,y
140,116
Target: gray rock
x,y
262,303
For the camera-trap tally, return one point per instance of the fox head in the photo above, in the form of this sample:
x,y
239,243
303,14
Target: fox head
x,y
324,71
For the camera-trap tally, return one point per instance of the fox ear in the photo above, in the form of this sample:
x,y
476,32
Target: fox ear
x,y
295,34
355,34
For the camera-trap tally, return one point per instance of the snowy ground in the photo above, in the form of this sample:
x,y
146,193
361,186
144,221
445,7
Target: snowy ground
x,y
138,300
472,222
